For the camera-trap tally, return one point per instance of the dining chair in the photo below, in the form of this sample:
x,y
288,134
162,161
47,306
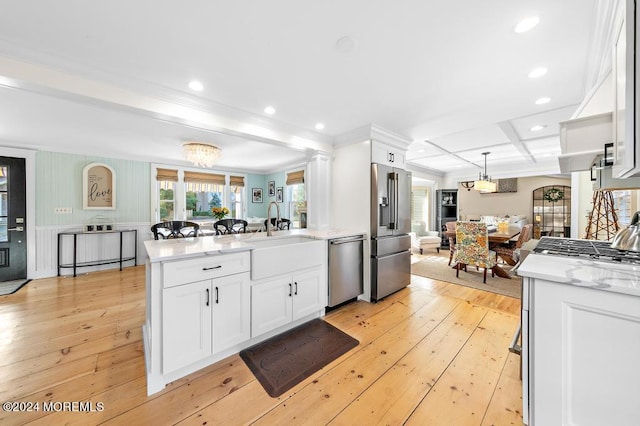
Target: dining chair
x,y
175,229
282,224
230,226
509,251
451,227
472,247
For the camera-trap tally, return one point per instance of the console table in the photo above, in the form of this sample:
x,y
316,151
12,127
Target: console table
x,y
75,264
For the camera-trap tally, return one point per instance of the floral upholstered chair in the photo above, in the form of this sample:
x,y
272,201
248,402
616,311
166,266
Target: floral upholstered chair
x,y
472,247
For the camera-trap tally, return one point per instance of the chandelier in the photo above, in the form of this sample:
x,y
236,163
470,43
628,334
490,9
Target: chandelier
x,y
201,154
484,184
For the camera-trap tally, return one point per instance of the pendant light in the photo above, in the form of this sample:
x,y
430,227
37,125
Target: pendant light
x,y
484,184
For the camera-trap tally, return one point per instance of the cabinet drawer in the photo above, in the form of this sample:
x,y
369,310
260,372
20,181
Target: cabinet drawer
x,y
203,268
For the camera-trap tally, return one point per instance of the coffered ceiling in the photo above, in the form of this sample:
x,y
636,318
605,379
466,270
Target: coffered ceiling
x,y
111,78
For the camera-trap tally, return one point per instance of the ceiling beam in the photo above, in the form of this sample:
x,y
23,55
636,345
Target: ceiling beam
x,y
453,154
512,135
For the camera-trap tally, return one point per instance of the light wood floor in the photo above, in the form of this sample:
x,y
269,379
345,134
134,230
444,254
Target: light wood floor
x,y
431,354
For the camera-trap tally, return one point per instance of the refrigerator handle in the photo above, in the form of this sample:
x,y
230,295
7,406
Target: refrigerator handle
x,y
391,183
396,192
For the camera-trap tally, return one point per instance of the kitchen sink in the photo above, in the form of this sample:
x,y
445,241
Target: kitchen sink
x,y
277,256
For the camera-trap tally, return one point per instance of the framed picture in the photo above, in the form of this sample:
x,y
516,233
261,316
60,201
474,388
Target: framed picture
x,y
272,188
256,195
279,194
98,187
594,173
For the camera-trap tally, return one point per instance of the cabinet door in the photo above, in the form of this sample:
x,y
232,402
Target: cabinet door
x,y
584,347
231,311
186,325
307,296
270,305
398,158
380,154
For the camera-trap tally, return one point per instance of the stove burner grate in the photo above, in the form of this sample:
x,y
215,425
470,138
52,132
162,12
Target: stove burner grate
x,y
587,249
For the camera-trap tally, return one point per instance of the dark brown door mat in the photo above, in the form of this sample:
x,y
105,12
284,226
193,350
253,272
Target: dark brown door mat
x,y
283,361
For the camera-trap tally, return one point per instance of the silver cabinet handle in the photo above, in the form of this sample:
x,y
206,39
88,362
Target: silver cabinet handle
x,y
17,228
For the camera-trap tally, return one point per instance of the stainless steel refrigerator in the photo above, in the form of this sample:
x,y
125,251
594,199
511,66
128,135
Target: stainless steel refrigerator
x,y
390,226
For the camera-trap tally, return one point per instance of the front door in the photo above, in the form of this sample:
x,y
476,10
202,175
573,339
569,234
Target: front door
x,y
13,220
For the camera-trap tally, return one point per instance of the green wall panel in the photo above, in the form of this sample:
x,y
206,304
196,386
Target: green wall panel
x,y
59,184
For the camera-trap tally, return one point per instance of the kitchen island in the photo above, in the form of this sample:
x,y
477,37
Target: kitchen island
x,y
210,297
580,341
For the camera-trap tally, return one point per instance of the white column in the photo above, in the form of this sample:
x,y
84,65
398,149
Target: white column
x,y
318,184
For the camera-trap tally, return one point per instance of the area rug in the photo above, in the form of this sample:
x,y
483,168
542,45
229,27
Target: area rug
x,y
10,287
285,360
435,267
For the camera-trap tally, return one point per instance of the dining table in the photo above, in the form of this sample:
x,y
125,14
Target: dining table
x,y
495,238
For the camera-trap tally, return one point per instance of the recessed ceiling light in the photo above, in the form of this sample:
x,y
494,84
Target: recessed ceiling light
x,y
538,72
527,24
346,44
542,101
319,126
538,127
196,86
421,150
270,110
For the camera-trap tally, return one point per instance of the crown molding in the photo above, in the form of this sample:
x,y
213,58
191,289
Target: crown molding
x,y
372,132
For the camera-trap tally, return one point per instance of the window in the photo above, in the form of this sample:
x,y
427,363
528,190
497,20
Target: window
x,y
420,206
236,185
297,197
166,193
192,195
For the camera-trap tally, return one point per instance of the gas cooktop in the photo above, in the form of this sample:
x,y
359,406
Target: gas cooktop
x,y
585,249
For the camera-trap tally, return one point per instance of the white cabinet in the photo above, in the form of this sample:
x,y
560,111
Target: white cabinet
x,y
281,300
386,154
584,347
186,324
204,318
205,307
626,161
231,311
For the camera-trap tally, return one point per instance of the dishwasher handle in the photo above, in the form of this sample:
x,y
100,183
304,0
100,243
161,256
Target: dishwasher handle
x,y
346,240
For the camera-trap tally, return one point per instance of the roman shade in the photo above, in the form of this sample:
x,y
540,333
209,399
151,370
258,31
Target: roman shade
x,y
167,175
204,182
295,178
236,180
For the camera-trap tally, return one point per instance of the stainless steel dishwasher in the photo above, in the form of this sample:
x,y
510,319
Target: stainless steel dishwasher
x,y
345,269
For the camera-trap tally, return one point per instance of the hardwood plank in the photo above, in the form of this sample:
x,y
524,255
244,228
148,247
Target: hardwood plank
x,y
392,398
461,395
99,316
329,394
504,409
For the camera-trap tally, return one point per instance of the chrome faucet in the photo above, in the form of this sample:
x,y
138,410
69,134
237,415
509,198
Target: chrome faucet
x,y
269,217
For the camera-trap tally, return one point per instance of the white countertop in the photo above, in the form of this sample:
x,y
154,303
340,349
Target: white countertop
x,y
618,278
161,250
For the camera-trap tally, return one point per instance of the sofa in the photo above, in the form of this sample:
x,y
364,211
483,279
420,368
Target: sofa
x,y
422,240
514,220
